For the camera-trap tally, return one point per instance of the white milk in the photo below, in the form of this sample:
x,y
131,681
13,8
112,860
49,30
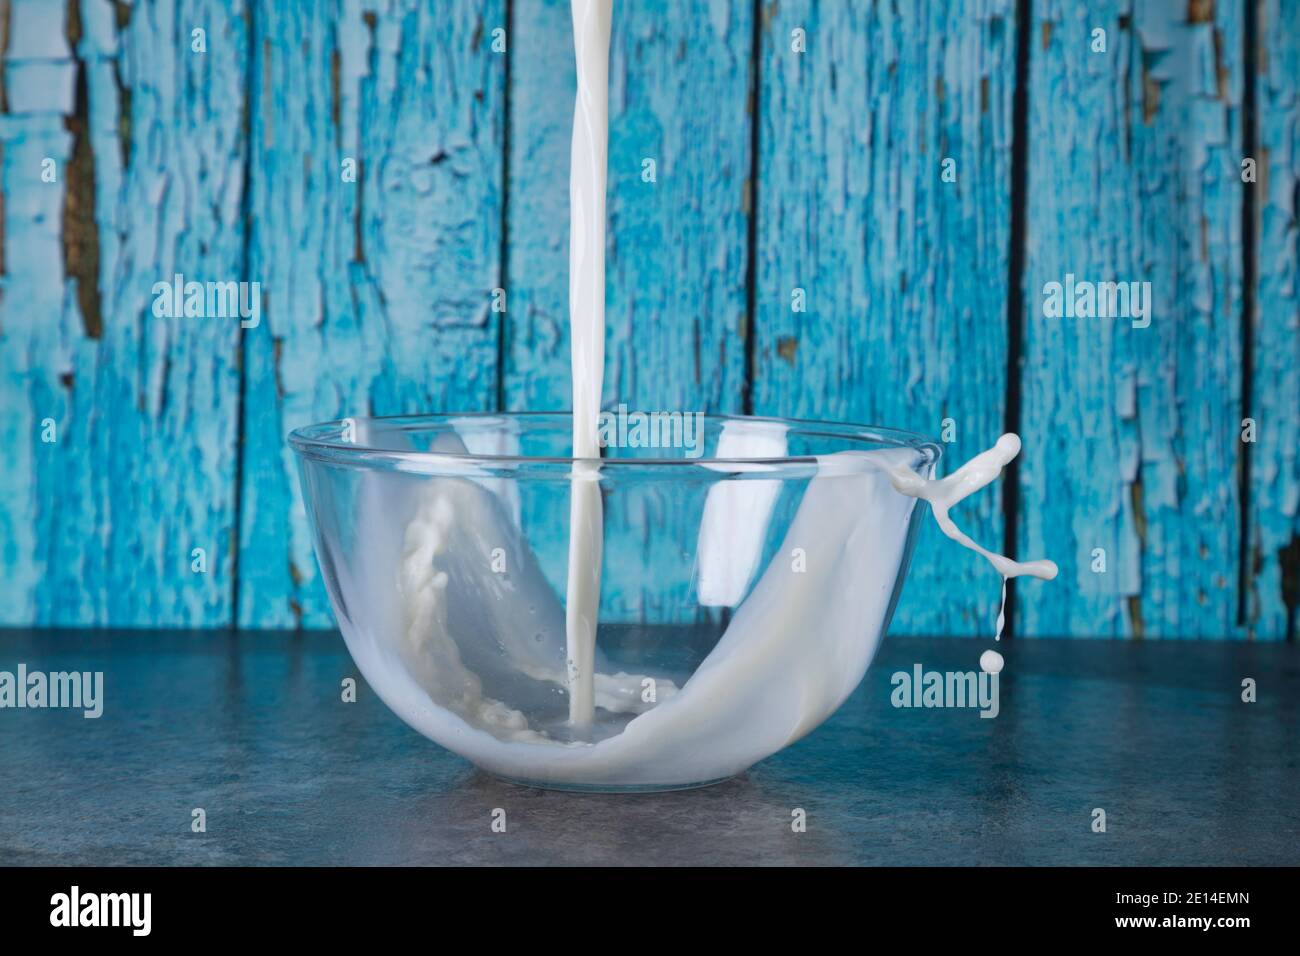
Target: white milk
x,y
465,639
944,494
588,160
459,639
468,639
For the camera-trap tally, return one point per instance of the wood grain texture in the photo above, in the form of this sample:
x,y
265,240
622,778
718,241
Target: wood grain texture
x,y
677,246
1132,434
904,274
98,527
378,291
1274,561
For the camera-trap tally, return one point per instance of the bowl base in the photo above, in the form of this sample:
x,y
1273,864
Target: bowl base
x,y
564,787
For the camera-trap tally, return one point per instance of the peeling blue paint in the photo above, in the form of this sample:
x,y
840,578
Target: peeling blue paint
x,y
1133,175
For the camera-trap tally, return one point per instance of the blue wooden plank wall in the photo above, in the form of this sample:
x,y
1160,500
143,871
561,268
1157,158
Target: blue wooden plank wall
x,y
854,211
1134,174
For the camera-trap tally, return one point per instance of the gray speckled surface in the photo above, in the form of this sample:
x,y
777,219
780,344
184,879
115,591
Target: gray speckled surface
x,y
251,728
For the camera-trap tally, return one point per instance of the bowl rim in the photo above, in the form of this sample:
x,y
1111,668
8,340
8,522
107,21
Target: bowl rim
x,y
314,441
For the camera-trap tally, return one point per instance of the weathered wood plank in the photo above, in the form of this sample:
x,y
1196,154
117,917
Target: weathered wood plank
x,y
904,274
1275,401
99,526
378,291
677,245
1132,441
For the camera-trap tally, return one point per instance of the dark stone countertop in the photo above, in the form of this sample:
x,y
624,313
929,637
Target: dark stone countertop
x,y
251,728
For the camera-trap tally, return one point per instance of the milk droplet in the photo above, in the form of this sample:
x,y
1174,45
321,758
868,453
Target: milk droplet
x,y
991,662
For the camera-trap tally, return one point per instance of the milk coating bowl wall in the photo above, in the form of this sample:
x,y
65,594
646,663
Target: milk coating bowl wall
x,y
749,573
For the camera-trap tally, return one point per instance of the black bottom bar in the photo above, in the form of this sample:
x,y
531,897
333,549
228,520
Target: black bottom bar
x,y
216,905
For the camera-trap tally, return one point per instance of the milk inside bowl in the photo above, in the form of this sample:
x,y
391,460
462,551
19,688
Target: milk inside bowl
x,y
658,611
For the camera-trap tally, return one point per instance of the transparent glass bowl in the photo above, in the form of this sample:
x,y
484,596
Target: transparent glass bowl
x,y
749,572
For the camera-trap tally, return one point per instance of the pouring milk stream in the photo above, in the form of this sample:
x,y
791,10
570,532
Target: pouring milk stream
x,y
588,169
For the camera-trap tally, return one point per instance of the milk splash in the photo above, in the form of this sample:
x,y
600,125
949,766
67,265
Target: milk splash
x,y
945,493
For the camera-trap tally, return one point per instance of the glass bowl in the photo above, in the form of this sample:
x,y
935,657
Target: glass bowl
x,y
750,569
